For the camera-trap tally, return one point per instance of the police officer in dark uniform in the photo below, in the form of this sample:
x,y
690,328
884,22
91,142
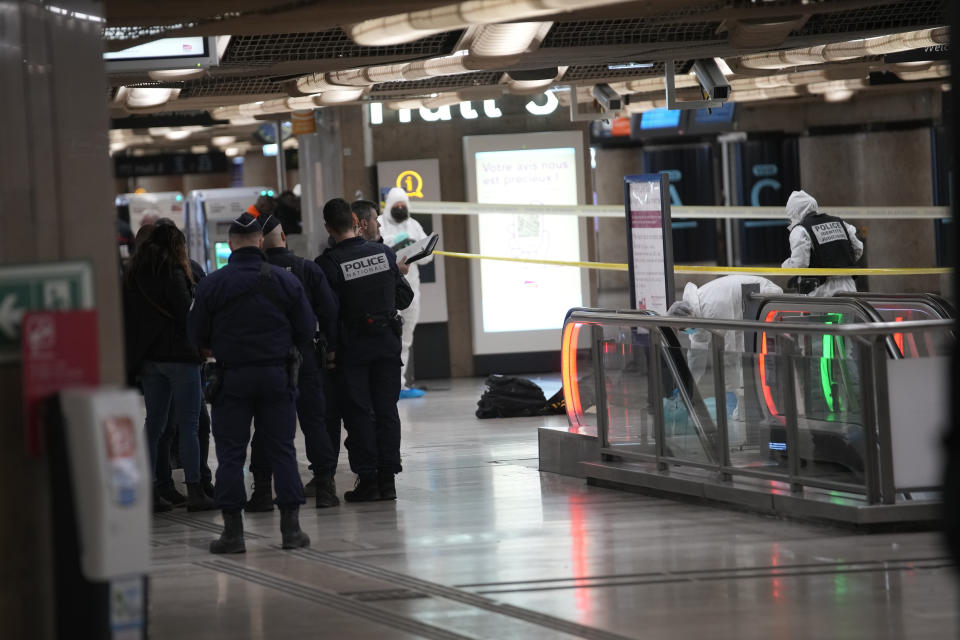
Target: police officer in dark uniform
x,y
365,277
251,315
311,405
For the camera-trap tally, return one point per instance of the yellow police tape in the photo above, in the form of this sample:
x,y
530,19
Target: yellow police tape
x,y
758,271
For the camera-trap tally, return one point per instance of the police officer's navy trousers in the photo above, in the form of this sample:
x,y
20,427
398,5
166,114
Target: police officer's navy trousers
x,y
368,402
311,411
333,419
258,393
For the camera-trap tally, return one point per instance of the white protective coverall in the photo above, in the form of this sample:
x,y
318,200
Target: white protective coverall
x,y
799,205
721,299
394,232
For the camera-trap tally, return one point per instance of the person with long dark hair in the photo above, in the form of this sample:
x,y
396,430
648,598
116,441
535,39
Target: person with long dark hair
x,y
158,292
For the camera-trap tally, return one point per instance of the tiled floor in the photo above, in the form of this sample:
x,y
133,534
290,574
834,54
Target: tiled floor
x,y
482,545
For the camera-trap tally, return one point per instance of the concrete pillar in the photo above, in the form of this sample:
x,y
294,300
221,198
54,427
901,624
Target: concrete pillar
x,y
612,165
878,169
57,204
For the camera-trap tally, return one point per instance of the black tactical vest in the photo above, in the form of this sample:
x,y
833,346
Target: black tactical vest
x,y
369,284
832,248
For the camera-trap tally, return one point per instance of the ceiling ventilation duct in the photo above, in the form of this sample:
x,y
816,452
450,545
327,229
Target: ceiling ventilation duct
x,y
851,50
494,46
413,25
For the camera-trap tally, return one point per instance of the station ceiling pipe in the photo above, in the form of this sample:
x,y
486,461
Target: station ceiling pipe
x,y
413,25
851,50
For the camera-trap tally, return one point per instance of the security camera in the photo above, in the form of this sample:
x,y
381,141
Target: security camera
x,y
607,97
714,83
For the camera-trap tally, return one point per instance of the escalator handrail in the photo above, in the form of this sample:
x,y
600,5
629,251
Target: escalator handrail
x,y
938,303
857,305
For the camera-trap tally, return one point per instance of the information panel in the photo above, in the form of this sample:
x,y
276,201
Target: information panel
x,y
520,307
650,246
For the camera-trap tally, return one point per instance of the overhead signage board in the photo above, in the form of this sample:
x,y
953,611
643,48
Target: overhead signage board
x,y
649,241
53,286
169,164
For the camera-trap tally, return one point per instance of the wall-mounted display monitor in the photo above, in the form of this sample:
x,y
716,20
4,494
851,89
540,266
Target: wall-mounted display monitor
x,y
660,119
713,120
658,123
520,307
195,52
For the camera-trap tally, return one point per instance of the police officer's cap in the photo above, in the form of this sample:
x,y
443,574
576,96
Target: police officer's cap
x,y
269,224
244,225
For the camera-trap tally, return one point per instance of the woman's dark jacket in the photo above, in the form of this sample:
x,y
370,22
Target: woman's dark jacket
x,y
155,310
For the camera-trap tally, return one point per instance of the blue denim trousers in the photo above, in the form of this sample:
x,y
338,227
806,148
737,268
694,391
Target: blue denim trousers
x,y
171,392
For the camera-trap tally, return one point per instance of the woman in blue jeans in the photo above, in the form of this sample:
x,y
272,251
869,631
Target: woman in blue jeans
x,y
158,292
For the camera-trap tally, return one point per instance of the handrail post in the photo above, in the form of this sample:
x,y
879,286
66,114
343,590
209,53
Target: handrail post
x,y
888,491
718,347
600,387
790,414
871,465
656,397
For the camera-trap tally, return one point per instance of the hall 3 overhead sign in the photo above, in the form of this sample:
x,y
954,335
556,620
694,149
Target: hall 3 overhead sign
x,y
542,105
51,286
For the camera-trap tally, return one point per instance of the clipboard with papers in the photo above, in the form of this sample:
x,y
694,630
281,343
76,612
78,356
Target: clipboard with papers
x,y
420,249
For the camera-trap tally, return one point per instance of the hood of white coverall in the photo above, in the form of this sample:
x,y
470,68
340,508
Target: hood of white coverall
x,y
394,196
799,205
691,295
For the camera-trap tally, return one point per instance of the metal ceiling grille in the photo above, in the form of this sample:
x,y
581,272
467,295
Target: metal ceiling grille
x,y
460,81
900,16
212,87
621,32
326,45
590,71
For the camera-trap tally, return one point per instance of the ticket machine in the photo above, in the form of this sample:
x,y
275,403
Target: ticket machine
x,y
209,214
164,204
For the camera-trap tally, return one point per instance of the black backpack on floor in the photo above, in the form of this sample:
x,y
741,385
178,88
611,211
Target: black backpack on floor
x,y
510,397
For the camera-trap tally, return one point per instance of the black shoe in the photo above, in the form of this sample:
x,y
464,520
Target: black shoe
x,y
208,488
387,485
366,489
231,540
293,537
169,492
197,500
262,497
159,504
326,491
310,489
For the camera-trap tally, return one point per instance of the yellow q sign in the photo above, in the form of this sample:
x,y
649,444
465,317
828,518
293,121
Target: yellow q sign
x,y
412,183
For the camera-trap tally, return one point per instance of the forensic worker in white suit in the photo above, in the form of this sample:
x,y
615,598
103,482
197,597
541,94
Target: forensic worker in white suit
x,y
821,241
400,230
720,299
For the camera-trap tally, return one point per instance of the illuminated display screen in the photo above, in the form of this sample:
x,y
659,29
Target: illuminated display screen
x,y
222,251
716,115
526,297
163,48
660,119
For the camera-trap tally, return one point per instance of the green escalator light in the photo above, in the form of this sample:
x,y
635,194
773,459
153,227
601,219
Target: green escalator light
x,y
825,369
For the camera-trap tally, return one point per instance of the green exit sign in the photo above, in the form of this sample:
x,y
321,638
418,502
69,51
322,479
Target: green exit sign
x,y
48,286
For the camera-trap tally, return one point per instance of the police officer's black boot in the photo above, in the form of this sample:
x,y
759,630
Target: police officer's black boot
x,y
293,537
160,505
365,490
231,540
326,491
387,485
197,500
262,497
169,492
